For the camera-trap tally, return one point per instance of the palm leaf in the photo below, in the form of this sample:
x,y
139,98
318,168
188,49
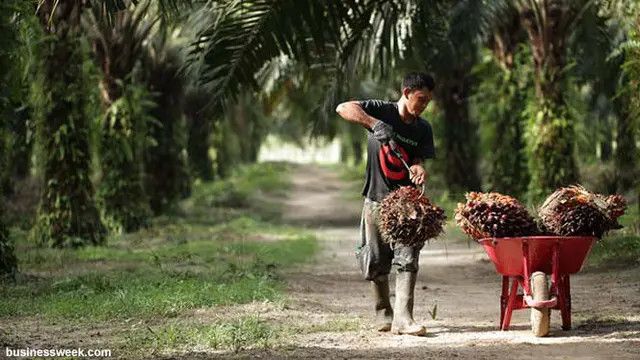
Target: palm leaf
x,y
244,35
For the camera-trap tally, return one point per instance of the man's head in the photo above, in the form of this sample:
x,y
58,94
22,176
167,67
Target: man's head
x,y
417,90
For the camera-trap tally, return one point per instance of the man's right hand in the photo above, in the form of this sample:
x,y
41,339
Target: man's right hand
x,y
382,131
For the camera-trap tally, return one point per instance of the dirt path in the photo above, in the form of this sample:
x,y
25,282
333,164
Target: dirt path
x,y
331,307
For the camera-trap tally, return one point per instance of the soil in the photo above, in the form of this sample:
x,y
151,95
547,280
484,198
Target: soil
x,y
456,275
329,309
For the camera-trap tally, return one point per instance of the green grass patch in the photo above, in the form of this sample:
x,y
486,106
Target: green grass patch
x,y
249,331
621,248
333,325
631,218
616,250
353,175
165,279
206,256
235,335
238,190
349,173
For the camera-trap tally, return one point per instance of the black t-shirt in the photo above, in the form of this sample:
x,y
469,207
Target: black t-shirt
x,y
416,138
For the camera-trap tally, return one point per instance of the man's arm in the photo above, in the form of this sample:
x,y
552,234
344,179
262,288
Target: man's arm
x,y
353,112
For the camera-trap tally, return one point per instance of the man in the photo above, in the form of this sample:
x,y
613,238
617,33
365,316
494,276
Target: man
x,y
395,130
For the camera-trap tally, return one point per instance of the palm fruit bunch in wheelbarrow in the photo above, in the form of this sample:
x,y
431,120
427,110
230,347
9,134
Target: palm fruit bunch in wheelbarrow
x,y
574,211
493,214
408,217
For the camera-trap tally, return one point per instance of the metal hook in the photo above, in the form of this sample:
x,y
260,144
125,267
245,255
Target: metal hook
x,y
399,156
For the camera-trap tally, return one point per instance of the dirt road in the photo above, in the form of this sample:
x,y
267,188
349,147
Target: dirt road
x,y
331,306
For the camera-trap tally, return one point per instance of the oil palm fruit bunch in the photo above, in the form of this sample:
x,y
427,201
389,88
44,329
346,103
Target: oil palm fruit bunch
x,y
494,215
408,217
616,206
573,210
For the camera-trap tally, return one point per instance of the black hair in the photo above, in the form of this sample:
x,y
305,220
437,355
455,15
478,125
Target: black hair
x,y
418,80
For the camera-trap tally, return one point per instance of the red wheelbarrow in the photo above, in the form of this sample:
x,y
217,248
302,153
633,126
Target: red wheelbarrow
x,y
524,263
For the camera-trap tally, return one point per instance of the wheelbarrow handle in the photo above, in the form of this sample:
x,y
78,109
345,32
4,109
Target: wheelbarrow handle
x,y
540,303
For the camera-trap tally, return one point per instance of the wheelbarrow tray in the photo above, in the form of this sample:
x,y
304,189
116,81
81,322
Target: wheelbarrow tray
x,y
519,258
507,254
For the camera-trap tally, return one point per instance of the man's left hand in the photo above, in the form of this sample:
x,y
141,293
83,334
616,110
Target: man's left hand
x,y
417,174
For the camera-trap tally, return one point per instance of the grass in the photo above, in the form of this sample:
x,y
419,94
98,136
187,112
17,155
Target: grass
x,y
245,182
353,175
213,251
340,324
247,331
616,250
160,280
620,248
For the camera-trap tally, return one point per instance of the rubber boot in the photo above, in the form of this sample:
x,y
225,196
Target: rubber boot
x,y
403,322
384,311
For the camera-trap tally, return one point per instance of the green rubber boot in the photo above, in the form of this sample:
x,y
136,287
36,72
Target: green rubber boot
x,y
384,311
403,323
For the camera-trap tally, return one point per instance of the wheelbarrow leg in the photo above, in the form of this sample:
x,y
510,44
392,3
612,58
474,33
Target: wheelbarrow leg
x,y
503,299
510,304
566,302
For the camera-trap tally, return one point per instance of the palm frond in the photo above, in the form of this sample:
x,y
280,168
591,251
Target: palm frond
x,y
118,41
244,35
377,36
166,7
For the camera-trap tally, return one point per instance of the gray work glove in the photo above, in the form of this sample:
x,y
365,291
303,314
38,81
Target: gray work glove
x,y
382,131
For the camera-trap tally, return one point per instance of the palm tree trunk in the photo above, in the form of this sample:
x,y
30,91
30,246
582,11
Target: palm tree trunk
x,y
552,161
629,126
198,146
460,134
509,173
344,151
626,153
121,191
226,148
7,47
357,146
67,214
167,176
200,124
117,48
8,263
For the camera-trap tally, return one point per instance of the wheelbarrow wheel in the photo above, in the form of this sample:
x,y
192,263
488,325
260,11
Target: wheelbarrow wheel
x,y
540,317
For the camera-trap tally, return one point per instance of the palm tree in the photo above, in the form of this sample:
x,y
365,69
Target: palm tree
x,y
627,102
500,98
67,214
14,112
629,127
200,124
8,45
167,177
118,46
7,255
240,133
549,23
239,38
451,55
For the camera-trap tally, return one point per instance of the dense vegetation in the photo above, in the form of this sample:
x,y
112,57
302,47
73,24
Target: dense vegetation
x,y
111,111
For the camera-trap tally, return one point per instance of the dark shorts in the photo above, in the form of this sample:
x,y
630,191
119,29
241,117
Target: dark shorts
x,y
376,257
